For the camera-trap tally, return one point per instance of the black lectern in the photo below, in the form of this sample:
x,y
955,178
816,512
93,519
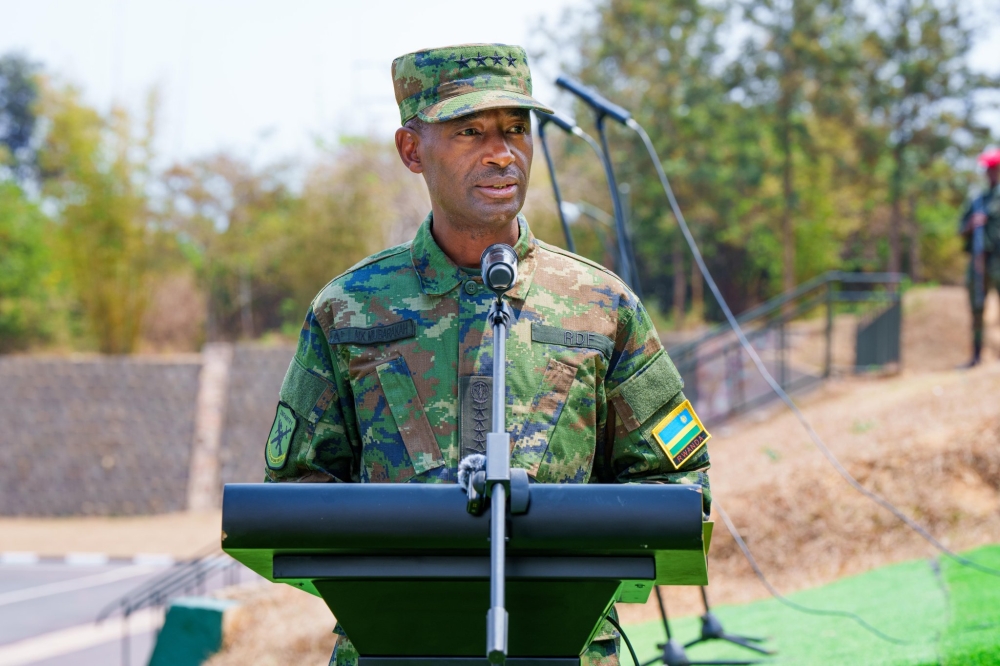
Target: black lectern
x,y
406,569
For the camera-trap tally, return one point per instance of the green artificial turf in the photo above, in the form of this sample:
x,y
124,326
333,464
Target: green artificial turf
x,y
950,616
972,637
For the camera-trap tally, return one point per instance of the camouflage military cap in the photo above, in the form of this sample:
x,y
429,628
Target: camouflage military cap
x,y
446,83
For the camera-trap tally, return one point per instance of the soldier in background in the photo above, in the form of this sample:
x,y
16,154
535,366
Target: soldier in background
x,y
392,380
981,228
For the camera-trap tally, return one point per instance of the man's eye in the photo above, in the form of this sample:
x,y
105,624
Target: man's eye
x,y
468,131
518,129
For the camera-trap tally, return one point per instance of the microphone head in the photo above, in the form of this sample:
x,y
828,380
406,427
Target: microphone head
x,y
499,268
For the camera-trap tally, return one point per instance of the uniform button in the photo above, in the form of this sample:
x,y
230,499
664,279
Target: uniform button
x,y
471,288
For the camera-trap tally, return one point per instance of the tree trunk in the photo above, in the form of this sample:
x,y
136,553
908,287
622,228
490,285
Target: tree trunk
x,y
697,293
680,286
787,180
246,305
896,214
915,268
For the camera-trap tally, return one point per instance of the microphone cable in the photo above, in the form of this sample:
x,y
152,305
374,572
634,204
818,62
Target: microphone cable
x,y
762,369
792,604
628,643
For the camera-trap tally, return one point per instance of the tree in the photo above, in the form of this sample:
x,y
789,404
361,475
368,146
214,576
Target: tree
x,y
795,67
96,172
358,199
233,219
661,61
18,96
919,90
24,271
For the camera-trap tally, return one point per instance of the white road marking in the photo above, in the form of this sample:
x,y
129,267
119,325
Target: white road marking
x,y
75,639
85,559
18,558
74,584
153,558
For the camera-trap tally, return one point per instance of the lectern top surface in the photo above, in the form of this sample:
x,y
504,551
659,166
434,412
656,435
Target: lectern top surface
x,y
261,521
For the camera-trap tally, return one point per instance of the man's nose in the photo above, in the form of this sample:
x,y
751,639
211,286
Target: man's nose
x,y
498,152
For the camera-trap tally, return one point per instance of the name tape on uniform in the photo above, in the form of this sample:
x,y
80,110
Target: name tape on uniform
x,y
552,335
374,335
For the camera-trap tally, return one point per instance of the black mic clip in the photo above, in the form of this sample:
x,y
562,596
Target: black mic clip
x,y
562,122
472,479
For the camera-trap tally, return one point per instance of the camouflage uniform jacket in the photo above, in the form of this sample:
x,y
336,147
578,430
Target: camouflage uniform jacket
x,y
388,347
382,387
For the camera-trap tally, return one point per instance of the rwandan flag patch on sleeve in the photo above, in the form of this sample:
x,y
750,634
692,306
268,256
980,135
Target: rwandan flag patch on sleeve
x,y
681,434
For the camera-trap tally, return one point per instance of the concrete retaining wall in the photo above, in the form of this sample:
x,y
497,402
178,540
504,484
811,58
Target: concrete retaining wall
x,y
115,436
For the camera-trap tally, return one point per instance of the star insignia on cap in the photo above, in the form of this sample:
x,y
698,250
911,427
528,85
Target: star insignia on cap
x,y
463,62
497,58
511,60
480,59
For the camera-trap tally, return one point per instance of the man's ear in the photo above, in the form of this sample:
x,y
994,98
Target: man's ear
x,y
408,147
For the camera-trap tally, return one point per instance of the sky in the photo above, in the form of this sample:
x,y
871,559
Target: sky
x,y
260,77
266,79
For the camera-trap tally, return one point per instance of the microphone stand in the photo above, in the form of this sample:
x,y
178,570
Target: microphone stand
x,y
624,240
543,119
672,653
711,628
497,485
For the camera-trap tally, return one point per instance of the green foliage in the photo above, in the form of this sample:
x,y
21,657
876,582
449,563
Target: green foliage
x,y
18,95
96,175
799,136
232,220
836,135
24,271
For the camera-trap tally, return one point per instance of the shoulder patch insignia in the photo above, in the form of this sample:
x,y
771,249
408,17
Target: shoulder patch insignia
x,y
681,434
280,437
374,335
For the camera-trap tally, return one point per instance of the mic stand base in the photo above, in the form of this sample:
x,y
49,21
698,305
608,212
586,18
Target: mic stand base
x,y
673,653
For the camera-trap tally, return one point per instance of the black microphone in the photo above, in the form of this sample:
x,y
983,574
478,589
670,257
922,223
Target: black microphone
x,y
499,268
594,99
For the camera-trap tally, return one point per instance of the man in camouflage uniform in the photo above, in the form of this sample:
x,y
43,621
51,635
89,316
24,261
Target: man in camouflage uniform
x,y
984,269
392,380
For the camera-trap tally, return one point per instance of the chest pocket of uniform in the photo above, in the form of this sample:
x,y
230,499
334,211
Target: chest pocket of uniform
x,y
397,439
556,443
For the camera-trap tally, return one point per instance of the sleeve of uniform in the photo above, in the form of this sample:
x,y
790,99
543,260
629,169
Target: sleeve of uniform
x,y
310,438
643,389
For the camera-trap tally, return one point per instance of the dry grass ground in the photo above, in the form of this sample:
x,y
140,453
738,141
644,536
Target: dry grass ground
x,y
276,626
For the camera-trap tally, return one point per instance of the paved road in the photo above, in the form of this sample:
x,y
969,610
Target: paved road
x,y
47,613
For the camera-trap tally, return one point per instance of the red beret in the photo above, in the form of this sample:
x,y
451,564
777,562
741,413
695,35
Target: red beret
x,y
990,158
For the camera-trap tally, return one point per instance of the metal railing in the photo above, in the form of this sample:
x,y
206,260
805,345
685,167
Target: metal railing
x,y
209,569
720,380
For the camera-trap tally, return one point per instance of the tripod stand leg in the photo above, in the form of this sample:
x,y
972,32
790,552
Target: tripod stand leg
x,y
712,629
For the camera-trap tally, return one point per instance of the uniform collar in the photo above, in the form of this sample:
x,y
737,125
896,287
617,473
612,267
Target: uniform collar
x,y
438,274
